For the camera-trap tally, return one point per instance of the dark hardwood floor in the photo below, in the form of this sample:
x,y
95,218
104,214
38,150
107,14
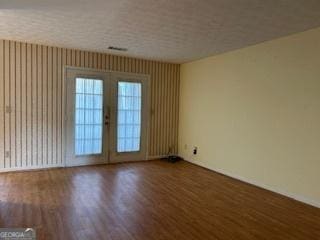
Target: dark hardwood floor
x,y
151,200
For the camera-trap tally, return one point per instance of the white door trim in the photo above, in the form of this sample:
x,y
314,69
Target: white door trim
x,y
70,158
143,153
146,81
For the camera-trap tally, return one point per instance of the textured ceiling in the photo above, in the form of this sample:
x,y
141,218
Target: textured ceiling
x,y
167,30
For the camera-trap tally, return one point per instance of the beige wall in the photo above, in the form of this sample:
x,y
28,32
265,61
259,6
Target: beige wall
x,y
31,83
254,114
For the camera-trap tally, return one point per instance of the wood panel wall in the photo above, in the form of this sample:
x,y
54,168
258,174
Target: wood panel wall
x,y
32,106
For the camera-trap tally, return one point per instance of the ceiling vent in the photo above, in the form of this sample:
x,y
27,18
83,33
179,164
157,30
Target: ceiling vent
x,y
118,48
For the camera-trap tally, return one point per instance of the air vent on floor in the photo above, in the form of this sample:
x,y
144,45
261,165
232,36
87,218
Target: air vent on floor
x,y
117,48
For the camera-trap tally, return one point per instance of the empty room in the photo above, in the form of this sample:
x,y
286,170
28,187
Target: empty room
x,y
160,120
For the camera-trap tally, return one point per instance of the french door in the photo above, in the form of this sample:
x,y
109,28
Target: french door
x,y
106,117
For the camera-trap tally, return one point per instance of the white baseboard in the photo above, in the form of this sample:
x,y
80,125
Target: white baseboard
x,y
27,168
15,169
157,157
296,197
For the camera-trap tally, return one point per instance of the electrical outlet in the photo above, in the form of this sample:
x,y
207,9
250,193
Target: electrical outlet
x,y
195,151
185,147
170,150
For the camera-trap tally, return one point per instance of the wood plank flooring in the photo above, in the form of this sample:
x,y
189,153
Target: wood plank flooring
x,y
149,200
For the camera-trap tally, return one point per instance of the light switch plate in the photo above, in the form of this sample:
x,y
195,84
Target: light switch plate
x,y
8,109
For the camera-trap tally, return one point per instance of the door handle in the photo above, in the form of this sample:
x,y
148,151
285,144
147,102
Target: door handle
x,y
106,116
106,120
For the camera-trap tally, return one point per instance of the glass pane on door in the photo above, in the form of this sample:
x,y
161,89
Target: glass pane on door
x,y
129,117
88,116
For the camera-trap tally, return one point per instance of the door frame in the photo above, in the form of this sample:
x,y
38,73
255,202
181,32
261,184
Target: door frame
x,y
116,157
145,78
103,158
